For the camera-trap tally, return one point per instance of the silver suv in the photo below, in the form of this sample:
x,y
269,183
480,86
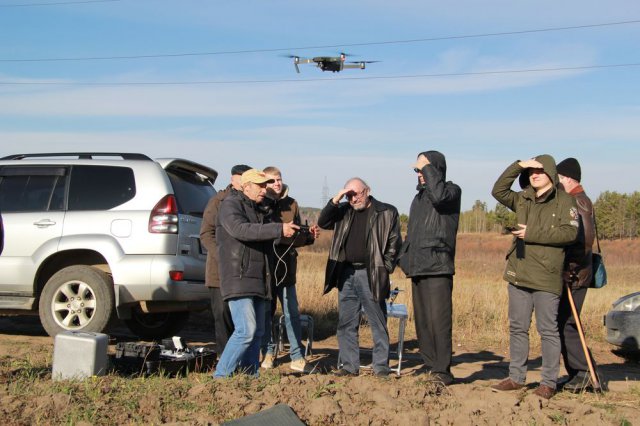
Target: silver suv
x,y
88,236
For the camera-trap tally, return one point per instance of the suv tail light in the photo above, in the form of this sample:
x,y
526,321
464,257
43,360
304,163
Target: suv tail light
x,y
164,216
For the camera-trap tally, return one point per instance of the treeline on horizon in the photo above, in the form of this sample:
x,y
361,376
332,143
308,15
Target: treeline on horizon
x,y
617,216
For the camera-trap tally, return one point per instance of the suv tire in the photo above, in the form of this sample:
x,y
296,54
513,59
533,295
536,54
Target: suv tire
x,y
77,298
156,326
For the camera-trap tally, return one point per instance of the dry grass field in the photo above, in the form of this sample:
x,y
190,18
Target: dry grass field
x,y
29,396
480,294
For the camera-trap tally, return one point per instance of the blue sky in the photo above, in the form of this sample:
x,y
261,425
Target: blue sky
x,y
320,126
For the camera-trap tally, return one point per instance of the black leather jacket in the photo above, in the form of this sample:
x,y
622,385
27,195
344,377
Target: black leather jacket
x,y
245,248
430,246
383,242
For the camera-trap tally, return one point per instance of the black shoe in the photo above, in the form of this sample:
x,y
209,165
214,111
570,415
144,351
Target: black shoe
x,y
444,378
579,383
382,373
341,372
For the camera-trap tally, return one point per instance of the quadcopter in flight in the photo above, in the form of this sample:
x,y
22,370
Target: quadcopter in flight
x,y
329,63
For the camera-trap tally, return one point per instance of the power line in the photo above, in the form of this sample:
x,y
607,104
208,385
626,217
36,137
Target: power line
x,y
56,3
329,46
392,77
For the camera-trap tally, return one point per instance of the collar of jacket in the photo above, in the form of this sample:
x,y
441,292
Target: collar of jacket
x,y
577,190
247,200
530,193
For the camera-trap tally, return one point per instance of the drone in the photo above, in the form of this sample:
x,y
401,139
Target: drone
x,y
329,63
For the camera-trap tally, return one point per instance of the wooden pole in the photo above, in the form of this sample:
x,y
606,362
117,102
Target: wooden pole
x,y
592,371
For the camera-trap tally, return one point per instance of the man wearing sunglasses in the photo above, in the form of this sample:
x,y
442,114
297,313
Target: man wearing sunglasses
x,y
427,257
365,243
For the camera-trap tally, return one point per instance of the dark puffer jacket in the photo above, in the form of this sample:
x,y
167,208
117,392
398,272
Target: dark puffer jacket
x,y
552,224
383,242
430,246
245,247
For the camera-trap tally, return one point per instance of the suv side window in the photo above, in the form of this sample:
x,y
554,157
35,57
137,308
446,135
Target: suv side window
x,y
100,187
32,189
191,190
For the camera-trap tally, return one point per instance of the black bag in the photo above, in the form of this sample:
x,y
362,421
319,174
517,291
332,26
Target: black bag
x,y
152,358
599,279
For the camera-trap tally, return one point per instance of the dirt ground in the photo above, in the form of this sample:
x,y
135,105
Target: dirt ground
x,y
321,398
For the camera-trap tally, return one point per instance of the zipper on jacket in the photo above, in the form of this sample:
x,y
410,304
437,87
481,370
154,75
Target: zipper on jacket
x,y
242,260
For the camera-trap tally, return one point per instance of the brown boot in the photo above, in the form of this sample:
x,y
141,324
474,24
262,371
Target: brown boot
x,y
544,391
506,385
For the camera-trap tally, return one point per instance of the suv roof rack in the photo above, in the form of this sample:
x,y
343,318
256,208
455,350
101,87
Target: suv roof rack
x,y
80,155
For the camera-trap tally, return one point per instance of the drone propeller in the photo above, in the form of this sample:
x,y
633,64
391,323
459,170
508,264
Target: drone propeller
x,y
296,60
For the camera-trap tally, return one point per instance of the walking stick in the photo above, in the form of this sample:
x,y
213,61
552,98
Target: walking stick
x,y
592,371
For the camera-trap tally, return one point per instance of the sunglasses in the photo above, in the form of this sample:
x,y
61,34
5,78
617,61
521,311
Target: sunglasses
x,y
417,170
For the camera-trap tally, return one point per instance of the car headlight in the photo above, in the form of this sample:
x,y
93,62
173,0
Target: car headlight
x,y
630,302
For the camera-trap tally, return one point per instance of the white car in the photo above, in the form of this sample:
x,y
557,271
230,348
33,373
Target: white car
x,y
623,323
91,235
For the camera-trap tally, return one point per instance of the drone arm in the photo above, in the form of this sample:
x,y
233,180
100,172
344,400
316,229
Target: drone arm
x,y
360,65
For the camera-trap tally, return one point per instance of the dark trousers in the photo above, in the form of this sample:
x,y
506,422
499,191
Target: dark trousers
x,y
572,352
222,322
432,310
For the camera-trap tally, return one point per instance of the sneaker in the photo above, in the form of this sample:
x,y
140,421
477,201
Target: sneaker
x,y
341,372
301,365
506,385
544,391
579,383
268,362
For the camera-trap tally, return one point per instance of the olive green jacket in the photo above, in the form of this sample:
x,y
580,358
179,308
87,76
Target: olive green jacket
x,y
552,225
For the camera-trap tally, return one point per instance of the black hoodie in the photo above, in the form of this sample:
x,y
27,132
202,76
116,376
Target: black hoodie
x,y
430,246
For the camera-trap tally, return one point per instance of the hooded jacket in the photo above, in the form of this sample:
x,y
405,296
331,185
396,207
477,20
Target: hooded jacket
x,y
245,246
383,242
430,246
552,224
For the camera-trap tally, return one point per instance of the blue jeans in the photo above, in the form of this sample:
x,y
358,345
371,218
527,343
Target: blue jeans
x,y
243,347
354,296
289,301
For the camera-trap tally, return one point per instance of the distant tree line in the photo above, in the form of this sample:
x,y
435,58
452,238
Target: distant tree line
x,y
617,216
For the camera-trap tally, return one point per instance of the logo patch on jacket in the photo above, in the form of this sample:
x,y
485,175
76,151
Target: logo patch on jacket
x,y
573,212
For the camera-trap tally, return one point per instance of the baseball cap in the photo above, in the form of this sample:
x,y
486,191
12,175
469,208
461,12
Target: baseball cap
x,y
255,176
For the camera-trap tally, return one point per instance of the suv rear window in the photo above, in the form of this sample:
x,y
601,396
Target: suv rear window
x,y
100,187
32,189
191,190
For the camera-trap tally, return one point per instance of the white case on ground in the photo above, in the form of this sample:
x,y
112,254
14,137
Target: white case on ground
x,y
78,354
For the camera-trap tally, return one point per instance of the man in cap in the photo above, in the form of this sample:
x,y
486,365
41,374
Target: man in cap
x,y
577,275
222,322
427,257
245,247
547,223
366,239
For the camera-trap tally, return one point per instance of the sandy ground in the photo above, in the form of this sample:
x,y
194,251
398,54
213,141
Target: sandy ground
x,y
321,398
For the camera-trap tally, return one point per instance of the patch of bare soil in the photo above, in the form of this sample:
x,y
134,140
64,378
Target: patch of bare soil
x,y
318,398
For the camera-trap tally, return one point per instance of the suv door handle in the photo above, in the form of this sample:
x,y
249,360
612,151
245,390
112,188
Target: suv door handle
x,y
44,223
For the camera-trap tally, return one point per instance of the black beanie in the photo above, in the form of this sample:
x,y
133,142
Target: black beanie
x,y
570,168
239,169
